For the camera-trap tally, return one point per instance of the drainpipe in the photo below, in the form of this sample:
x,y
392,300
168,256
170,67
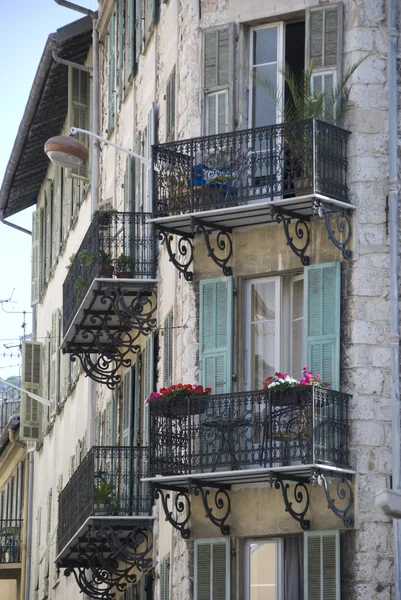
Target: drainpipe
x,y
29,529
394,296
90,437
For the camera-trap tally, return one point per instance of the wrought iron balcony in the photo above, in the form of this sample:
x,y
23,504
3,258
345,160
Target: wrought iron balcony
x,y
10,541
231,432
281,173
289,439
109,293
104,521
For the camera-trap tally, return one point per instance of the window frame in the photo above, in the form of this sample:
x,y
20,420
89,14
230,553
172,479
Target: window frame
x,y
280,58
279,565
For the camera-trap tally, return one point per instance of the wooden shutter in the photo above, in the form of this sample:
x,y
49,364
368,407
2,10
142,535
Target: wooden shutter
x,y
78,109
55,361
151,140
48,233
138,28
120,50
212,569
31,410
165,578
215,333
129,56
324,47
112,74
324,83
126,409
217,78
322,321
67,203
168,349
36,257
108,423
322,565
148,384
170,107
137,173
137,400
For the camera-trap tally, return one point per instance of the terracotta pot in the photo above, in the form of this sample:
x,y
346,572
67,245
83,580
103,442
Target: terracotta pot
x,y
179,408
106,271
124,275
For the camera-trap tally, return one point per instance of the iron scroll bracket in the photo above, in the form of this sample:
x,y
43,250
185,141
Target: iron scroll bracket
x,y
185,248
296,231
110,554
343,490
301,497
338,225
181,505
224,243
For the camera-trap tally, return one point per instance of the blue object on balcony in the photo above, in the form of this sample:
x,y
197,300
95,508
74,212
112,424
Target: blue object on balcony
x,y
203,176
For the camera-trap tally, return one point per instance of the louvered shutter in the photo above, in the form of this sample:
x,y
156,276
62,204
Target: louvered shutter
x,y
126,408
108,423
215,333
120,50
138,28
170,107
137,171
48,233
78,109
168,350
148,384
151,139
322,321
46,383
322,565
112,74
55,358
324,50
217,78
36,257
212,569
67,204
165,578
31,410
129,59
137,399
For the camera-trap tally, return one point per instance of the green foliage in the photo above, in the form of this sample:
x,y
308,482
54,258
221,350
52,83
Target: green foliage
x,y
105,258
301,104
103,491
124,263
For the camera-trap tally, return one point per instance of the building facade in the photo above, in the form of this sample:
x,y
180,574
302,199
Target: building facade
x,y
241,244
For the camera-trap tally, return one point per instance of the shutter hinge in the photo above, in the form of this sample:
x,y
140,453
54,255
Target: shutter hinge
x,y
235,292
233,553
236,37
234,377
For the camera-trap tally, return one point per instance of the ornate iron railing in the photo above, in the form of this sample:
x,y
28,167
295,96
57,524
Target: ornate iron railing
x,y
260,164
7,410
115,245
303,425
10,540
106,483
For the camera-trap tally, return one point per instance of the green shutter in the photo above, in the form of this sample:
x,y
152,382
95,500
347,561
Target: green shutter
x,y
36,258
212,569
322,321
170,107
148,384
78,109
126,409
165,578
112,74
31,410
129,59
168,350
215,333
137,174
137,398
322,565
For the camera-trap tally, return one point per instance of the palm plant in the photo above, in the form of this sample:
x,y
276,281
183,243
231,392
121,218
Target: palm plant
x,y
301,103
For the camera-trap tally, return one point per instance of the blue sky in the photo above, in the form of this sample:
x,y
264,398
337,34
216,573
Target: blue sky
x,y
24,28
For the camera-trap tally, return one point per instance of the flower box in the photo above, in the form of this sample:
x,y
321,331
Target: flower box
x,y
179,408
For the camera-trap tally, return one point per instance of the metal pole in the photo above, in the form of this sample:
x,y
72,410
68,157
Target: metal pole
x,y
394,318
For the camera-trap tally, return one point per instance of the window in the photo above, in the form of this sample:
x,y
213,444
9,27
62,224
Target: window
x,y
264,569
274,327
212,569
217,78
292,320
266,55
170,107
111,75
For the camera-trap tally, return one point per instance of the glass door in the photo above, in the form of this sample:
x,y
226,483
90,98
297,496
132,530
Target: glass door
x,y
265,107
263,570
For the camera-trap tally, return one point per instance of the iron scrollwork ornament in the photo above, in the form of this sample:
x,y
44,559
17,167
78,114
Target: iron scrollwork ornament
x,y
224,245
222,505
301,497
185,249
344,494
103,368
182,506
338,224
299,238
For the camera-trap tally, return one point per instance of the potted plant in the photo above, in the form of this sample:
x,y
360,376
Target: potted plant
x,y
106,268
105,218
124,267
180,400
103,496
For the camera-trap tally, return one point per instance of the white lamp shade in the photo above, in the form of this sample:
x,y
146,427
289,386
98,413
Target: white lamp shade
x,y
66,152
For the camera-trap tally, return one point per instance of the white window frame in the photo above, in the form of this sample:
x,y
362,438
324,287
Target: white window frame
x,y
285,330
216,95
279,565
248,323
280,79
294,279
